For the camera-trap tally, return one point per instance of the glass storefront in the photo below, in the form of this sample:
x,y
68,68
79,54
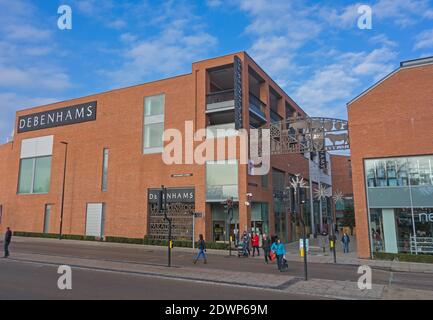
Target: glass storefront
x,y
400,202
220,221
260,217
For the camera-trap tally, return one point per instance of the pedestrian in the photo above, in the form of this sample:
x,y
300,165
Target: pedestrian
x,y
345,240
266,245
8,239
201,245
236,234
247,241
255,241
279,249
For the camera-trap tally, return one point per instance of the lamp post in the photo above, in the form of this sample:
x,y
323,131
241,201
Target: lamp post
x,y
163,201
297,183
230,219
63,190
338,197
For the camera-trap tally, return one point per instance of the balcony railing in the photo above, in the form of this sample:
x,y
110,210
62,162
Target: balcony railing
x,y
220,96
275,117
257,108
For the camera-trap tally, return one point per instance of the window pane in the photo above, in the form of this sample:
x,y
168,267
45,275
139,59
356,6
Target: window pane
x,y
26,176
42,175
105,170
221,173
154,105
153,135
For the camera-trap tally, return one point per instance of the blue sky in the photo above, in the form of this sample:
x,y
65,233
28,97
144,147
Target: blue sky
x,y
313,49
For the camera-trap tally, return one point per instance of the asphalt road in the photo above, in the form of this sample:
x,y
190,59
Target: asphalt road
x,y
25,281
155,256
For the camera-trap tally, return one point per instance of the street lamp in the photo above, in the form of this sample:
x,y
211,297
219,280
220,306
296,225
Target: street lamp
x,y
338,197
63,190
297,183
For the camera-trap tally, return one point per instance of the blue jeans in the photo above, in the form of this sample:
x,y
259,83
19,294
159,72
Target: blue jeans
x,y
280,261
200,254
346,247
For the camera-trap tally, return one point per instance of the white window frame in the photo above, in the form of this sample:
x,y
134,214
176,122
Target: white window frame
x,y
149,120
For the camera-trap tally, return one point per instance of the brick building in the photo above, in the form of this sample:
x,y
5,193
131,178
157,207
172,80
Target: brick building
x,y
391,132
342,184
106,150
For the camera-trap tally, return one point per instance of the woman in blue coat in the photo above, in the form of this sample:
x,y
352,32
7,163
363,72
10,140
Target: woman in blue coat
x,y
280,250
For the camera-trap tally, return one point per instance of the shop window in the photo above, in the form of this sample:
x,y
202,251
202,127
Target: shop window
x,y
221,180
153,124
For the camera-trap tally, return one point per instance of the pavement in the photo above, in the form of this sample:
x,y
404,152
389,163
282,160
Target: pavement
x,y
326,280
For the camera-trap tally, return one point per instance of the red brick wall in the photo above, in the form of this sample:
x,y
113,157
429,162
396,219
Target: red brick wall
x,y
393,119
341,174
119,127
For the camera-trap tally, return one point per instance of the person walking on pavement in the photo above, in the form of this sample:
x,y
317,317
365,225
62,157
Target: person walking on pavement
x,y
266,245
345,240
255,241
8,239
247,240
279,249
201,245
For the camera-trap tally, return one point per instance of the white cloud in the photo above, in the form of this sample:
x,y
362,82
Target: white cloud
x,y
346,17
328,90
33,78
181,40
383,40
214,3
424,40
26,32
403,13
165,55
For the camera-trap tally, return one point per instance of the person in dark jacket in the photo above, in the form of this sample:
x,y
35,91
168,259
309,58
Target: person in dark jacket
x,y
201,245
8,239
345,240
266,245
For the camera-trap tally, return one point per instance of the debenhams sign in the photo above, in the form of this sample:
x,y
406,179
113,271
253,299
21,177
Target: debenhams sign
x,y
58,117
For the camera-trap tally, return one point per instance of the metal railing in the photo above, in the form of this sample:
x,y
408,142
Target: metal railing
x,y
220,96
257,105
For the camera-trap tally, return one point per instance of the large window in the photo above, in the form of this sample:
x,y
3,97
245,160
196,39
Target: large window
x,y
153,124
35,165
221,180
35,175
399,172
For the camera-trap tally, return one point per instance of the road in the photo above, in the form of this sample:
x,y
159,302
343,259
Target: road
x,y
20,280
24,281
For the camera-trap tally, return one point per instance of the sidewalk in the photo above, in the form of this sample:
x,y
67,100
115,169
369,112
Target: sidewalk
x,y
316,255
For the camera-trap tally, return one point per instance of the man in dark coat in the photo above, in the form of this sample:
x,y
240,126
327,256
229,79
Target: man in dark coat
x,y
8,239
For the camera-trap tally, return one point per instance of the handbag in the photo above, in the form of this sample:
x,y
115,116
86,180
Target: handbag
x,y
272,256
